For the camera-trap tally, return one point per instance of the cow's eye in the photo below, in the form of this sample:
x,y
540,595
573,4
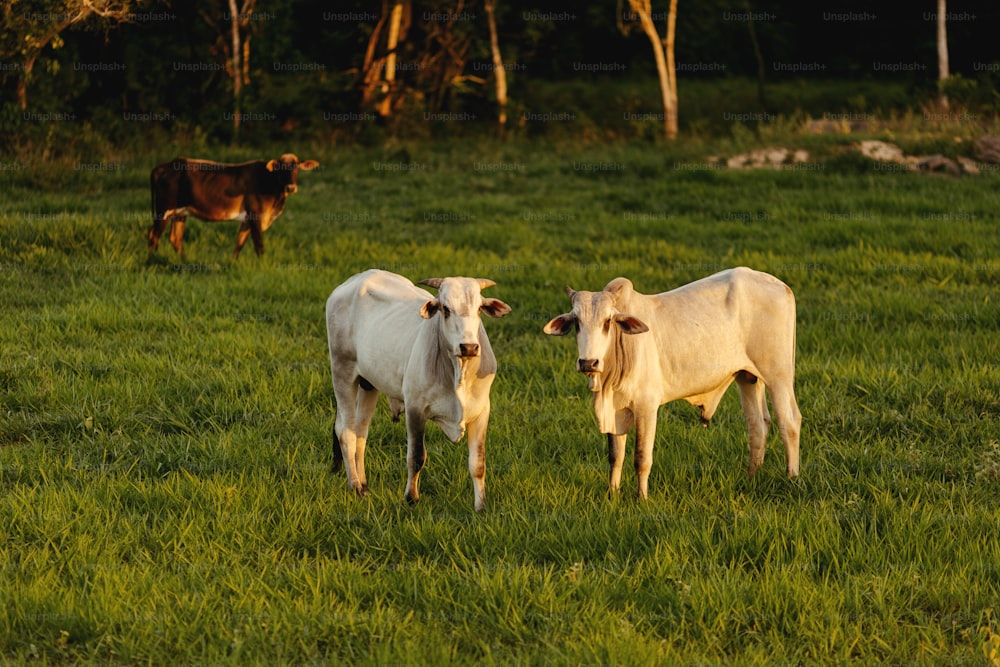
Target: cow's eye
x,y
446,311
607,325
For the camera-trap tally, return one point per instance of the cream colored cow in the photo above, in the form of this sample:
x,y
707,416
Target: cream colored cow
x,y
430,356
641,351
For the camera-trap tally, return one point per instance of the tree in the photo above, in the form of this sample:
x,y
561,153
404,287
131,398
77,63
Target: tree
x,y
29,26
378,73
395,18
663,53
942,49
235,46
436,49
499,73
761,69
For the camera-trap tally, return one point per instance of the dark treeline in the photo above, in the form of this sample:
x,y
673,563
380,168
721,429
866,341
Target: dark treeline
x,y
165,68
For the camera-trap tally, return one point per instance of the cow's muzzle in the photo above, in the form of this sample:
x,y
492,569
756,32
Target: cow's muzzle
x,y
468,350
592,369
291,189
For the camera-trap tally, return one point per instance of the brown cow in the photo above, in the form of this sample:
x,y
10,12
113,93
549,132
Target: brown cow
x,y
252,192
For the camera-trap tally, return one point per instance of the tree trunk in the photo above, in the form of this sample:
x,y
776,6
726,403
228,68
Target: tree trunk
x,y
671,113
385,105
942,49
663,53
499,73
22,83
29,61
759,56
246,59
371,68
237,67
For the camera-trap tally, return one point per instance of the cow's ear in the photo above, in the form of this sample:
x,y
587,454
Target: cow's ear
x,y
308,165
271,164
560,326
429,309
631,325
495,307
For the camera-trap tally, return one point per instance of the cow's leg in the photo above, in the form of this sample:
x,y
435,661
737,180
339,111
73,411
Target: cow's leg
x,y
616,457
345,390
177,233
476,430
645,435
416,455
752,396
624,421
241,238
786,411
338,454
258,236
156,231
367,401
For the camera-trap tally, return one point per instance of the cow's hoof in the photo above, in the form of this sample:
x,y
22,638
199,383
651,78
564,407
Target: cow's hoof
x,y
411,500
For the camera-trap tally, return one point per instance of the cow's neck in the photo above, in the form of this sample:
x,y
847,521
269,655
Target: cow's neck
x,y
604,405
614,384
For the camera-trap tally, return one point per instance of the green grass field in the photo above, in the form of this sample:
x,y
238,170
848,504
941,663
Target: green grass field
x,y
165,424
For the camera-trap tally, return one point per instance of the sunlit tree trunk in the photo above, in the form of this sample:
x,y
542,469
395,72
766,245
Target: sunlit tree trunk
x,y
663,54
234,40
942,49
499,73
234,18
395,18
668,45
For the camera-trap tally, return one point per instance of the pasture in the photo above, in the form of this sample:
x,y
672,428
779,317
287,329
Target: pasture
x,y
165,486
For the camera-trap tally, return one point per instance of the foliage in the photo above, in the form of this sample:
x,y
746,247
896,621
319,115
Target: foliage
x,y
165,423
167,70
27,27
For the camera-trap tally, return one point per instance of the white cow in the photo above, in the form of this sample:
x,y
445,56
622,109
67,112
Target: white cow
x,y
738,324
429,356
